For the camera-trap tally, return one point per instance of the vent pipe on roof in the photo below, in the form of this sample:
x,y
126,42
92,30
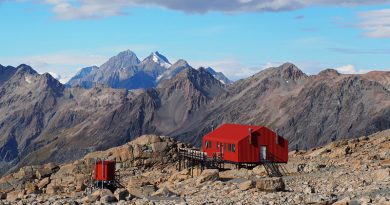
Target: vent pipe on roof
x,y
276,136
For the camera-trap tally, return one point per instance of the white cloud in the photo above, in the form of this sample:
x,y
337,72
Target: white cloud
x,y
233,69
80,9
351,69
54,75
60,65
62,79
348,69
376,23
47,60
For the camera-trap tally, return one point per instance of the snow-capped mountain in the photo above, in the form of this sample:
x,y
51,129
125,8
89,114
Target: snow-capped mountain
x,y
160,59
172,71
155,64
219,76
125,70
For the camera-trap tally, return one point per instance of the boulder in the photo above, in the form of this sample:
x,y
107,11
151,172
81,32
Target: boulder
x,y
344,201
51,189
121,194
146,139
164,192
26,173
46,170
308,190
341,151
140,187
3,195
106,196
365,200
108,199
43,183
30,188
80,187
382,174
386,162
383,201
91,198
208,175
246,185
14,196
137,181
270,184
259,170
179,176
123,153
159,146
237,173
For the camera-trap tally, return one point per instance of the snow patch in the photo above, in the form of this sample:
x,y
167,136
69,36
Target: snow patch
x,y
155,58
160,61
28,79
223,82
159,77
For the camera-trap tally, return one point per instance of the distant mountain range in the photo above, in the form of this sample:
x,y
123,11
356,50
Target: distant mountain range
x,y
125,70
42,120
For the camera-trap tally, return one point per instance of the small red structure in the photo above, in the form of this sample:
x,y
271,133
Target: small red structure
x,y
246,144
104,170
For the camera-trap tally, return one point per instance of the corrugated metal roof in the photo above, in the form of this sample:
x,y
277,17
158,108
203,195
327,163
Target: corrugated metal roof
x,y
231,132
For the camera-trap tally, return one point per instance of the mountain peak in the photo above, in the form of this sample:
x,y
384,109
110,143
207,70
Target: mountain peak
x,y
174,70
23,68
128,54
209,69
158,58
181,63
82,73
291,71
329,71
217,75
122,60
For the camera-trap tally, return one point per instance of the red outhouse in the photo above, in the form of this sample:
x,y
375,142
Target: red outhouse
x,y
246,144
105,170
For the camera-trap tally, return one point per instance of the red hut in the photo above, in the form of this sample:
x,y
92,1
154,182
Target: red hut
x,y
246,144
104,170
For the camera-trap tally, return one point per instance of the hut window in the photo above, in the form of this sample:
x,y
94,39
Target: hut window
x,y
208,144
229,147
233,148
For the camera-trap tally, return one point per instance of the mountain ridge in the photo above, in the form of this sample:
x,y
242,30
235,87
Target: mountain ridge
x,y
42,121
125,70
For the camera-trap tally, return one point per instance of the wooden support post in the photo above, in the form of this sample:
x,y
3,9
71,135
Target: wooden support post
x,y
179,163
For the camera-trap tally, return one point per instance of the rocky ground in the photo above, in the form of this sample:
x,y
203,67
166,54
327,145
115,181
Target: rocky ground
x,y
344,172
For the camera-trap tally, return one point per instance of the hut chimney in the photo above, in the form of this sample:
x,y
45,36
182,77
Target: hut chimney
x,y
276,136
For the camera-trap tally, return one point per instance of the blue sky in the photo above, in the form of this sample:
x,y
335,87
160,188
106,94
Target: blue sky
x,y
61,36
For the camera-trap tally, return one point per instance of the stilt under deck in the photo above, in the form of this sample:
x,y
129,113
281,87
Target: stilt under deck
x,y
192,158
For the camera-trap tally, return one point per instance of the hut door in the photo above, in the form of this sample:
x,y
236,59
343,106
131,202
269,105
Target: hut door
x,y
263,153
